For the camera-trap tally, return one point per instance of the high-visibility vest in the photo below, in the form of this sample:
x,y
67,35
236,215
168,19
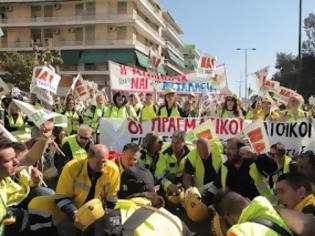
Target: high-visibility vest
x,y
3,203
225,114
174,112
18,191
168,165
196,162
74,182
155,225
259,207
286,168
261,182
77,151
148,113
121,112
98,112
291,118
309,200
73,122
18,123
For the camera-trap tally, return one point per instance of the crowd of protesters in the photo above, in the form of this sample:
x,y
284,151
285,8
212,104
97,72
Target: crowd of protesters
x,y
62,181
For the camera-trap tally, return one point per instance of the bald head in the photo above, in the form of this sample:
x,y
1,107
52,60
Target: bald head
x,y
97,157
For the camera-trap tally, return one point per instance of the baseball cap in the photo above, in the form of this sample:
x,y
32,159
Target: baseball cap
x,y
134,180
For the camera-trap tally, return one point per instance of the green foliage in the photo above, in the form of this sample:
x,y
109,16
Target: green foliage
x,y
19,66
288,64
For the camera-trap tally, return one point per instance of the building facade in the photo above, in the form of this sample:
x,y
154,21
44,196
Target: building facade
x,y
89,33
191,56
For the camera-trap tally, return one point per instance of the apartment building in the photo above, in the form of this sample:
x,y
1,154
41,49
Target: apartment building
x,y
172,49
191,57
91,32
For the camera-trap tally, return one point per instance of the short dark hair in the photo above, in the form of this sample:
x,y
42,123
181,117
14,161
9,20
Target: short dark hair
x,y
310,155
227,202
5,145
131,146
239,143
297,180
19,147
279,147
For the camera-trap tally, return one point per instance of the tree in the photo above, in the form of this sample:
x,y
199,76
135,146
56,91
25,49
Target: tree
x,y
19,66
309,26
287,64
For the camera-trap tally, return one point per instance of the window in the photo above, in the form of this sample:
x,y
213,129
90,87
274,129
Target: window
x,y
48,33
121,32
78,34
36,11
79,9
90,32
90,8
122,7
48,10
36,35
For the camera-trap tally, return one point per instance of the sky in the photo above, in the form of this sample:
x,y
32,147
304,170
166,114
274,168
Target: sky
x,y
219,27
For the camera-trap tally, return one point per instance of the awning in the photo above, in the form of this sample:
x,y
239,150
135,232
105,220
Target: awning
x,y
70,57
101,57
175,59
142,59
161,70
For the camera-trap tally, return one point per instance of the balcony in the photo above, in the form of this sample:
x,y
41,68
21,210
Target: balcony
x,y
147,8
178,53
171,33
75,45
149,31
67,20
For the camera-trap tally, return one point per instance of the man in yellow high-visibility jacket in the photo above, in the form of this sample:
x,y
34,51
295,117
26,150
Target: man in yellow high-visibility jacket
x,y
80,181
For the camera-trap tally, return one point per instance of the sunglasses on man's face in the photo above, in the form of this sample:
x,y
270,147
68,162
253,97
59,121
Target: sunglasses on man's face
x,y
84,138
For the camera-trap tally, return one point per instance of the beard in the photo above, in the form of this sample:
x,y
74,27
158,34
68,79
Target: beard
x,y
234,160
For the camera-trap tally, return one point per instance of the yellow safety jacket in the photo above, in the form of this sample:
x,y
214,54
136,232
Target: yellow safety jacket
x,y
18,191
74,182
18,123
168,164
174,112
291,118
250,114
307,201
148,113
122,112
138,107
97,112
3,203
226,114
73,123
286,168
261,182
77,151
197,163
259,207
147,161
155,225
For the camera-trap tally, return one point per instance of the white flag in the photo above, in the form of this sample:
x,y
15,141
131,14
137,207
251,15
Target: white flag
x,y
5,133
39,116
45,77
4,89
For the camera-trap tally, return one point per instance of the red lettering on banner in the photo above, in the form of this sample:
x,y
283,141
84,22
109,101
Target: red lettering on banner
x,y
233,127
255,135
178,121
207,62
189,124
123,70
139,83
202,120
164,121
133,127
171,125
37,72
269,84
223,127
259,147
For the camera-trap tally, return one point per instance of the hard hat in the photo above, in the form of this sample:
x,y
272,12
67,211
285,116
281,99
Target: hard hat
x,y
267,100
192,94
176,199
231,95
195,209
169,91
90,212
